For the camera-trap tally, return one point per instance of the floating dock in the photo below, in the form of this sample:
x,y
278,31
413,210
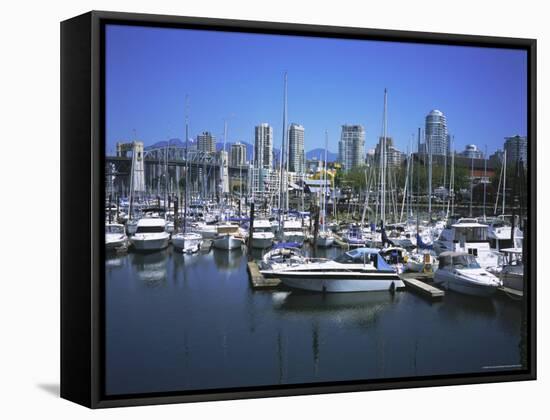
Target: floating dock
x,y
258,280
423,288
518,294
206,246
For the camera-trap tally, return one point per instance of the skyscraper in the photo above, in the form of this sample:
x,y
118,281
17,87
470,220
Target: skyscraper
x,y
437,136
238,154
351,148
516,149
263,146
296,157
394,157
206,142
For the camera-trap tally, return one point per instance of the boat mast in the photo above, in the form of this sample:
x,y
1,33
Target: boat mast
x,y
383,163
485,184
186,183
430,161
504,184
471,186
282,154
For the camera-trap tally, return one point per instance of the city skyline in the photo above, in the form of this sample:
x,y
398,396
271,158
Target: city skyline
x,y
481,91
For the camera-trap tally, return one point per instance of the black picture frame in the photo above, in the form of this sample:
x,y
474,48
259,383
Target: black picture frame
x,y
82,210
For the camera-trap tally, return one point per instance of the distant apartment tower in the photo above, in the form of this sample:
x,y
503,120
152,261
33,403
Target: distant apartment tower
x,y
472,152
516,149
437,136
238,154
206,142
263,146
296,157
394,157
351,148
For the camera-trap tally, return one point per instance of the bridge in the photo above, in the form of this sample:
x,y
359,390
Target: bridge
x,y
162,169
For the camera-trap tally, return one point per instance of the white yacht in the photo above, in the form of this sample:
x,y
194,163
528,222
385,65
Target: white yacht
x,y
500,233
150,234
205,230
359,270
262,234
469,236
115,237
460,272
511,272
228,237
293,232
189,242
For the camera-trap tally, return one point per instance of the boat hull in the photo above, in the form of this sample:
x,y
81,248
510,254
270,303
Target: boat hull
x,y
324,241
189,242
227,242
262,243
463,286
150,244
343,285
298,238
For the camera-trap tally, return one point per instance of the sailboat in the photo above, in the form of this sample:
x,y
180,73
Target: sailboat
x,y
325,238
188,242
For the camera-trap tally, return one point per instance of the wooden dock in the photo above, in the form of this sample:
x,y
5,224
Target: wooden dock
x,y
513,293
423,288
258,280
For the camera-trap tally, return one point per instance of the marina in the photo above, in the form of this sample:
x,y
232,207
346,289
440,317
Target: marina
x,y
236,269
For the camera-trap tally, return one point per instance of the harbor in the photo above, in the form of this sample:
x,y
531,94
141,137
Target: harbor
x,y
232,264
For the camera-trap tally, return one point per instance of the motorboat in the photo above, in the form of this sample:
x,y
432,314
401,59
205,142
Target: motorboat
x,y
293,231
500,233
358,270
511,272
461,272
189,242
150,234
470,236
281,257
262,234
115,236
207,231
228,237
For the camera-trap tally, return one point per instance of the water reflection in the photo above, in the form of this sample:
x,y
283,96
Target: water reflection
x,y
227,260
150,267
359,308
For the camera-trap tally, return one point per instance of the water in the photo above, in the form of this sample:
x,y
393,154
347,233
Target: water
x,y
191,322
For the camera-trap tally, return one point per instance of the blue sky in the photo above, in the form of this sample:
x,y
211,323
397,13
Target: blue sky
x,y
239,78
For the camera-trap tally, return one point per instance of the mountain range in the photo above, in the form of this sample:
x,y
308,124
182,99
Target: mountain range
x,y
318,153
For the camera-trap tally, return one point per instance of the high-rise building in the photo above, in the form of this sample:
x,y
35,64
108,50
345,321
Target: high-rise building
x,y
351,148
263,146
238,154
394,157
296,157
206,142
437,136
472,152
516,149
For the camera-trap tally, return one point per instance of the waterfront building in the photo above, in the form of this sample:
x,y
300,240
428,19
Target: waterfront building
x,y
238,154
296,156
516,149
206,142
436,134
394,157
263,146
351,148
471,151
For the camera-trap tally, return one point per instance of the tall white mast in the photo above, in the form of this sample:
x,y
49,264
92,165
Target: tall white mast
x,y
504,184
282,154
383,162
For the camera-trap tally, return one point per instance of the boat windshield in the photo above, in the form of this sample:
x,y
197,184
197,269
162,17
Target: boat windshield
x,y
150,229
262,229
346,258
465,261
471,234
